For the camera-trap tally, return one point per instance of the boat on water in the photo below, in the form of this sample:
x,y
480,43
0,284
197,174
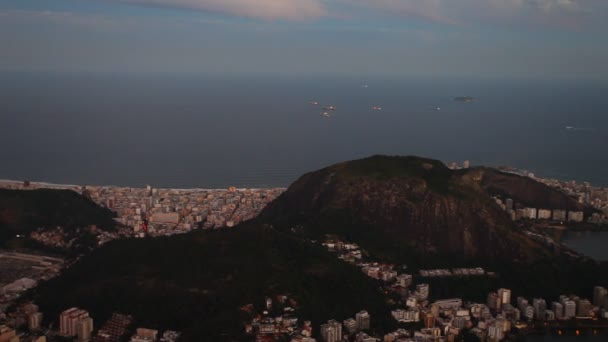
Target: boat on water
x,y
315,103
325,114
376,108
329,108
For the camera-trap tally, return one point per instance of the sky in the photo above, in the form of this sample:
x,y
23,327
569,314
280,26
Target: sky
x,y
545,39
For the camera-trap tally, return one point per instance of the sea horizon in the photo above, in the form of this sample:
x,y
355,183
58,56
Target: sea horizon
x,y
185,131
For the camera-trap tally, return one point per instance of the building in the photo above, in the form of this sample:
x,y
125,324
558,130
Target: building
x,y
404,280
85,329
509,204
544,214
331,331
575,216
363,337
145,335
34,320
505,296
540,308
496,332
69,321
423,291
494,302
569,309
165,218
584,308
460,322
448,304
559,215
363,320
351,325
466,164
114,329
522,303
429,320
600,295
558,310
530,213
528,312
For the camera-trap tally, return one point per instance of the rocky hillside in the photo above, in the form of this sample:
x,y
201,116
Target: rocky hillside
x,y
403,207
524,190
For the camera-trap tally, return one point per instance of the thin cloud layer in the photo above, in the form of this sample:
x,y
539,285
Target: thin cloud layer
x,y
442,11
451,11
264,9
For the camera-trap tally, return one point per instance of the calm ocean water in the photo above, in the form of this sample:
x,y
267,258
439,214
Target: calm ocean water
x,y
592,244
196,131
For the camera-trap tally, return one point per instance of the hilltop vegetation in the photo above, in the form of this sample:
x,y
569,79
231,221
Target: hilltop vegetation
x,y
403,208
196,282
22,212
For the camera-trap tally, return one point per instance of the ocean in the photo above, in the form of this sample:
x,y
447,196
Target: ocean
x,y
592,243
213,132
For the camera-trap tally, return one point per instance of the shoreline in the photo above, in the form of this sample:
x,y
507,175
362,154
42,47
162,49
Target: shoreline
x,y
36,185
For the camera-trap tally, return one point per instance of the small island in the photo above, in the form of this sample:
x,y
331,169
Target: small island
x,y
464,99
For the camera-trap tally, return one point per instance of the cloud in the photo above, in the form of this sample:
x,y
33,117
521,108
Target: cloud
x,y
458,11
264,9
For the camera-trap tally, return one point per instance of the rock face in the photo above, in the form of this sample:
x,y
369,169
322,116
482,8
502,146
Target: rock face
x,y
410,203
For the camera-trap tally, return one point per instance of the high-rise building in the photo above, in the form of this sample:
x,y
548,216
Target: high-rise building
x,y
494,302
34,320
599,296
466,164
569,308
496,332
540,308
85,329
505,296
522,303
331,331
584,308
350,325
558,310
528,312
429,320
363,320
69,321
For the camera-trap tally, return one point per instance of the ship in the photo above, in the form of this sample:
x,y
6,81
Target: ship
x,y
329,108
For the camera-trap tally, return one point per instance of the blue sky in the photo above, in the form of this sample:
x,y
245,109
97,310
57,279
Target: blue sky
x,y
543,39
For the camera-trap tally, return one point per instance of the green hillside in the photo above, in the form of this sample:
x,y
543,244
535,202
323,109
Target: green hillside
x,y
196,282
23,211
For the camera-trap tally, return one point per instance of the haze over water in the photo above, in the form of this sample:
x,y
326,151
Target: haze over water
x,y
198,131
